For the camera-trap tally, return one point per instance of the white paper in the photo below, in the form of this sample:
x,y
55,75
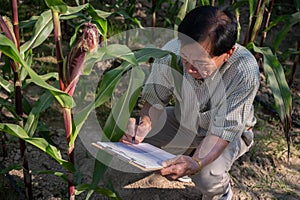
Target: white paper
x,y
145,155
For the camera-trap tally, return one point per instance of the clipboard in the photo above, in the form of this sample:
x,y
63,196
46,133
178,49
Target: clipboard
x,y
143,155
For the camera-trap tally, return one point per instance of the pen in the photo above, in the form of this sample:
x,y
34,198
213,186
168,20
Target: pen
x,y
137,122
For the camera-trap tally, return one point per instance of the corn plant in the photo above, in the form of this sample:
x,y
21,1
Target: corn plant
x,y
43,27
271,65
12,32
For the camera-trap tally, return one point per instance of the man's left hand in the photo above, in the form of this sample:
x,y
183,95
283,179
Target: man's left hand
x,y
179,166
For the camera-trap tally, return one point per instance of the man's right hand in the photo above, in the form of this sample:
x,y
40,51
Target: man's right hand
x,y
138,131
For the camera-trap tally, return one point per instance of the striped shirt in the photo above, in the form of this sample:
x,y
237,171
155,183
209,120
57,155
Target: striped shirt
x,y
221,105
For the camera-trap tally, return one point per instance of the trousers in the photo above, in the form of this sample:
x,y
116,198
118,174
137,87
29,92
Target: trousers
x,y
214,179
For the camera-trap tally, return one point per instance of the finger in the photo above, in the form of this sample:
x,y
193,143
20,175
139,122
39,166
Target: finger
x,y
130,130
126,139
169,162
168,171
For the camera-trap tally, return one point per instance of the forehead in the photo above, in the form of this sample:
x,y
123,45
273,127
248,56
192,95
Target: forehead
x,y
195,50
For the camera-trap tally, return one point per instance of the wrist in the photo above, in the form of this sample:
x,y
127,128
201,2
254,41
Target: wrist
x,y
199,165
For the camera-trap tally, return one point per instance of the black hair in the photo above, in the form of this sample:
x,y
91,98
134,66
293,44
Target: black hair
x,y
208,22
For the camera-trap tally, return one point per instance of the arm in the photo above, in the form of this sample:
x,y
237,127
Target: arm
x,y
157,92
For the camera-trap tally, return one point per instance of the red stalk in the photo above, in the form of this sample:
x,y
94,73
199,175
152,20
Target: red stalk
x,y
269,12
67,113
18,104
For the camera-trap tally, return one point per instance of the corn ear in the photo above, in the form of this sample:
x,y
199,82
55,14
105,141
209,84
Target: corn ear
x,y
7,28
73,68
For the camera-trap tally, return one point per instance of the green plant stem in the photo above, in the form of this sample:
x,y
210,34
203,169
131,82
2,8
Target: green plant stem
x,y
258,20
249,33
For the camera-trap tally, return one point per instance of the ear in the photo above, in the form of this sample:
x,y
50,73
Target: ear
x,y
229,53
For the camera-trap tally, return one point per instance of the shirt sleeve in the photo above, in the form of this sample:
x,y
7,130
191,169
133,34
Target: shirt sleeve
x,y
158,88
233,112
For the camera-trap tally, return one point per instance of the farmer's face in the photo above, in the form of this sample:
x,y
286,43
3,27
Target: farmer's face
x,y
197,62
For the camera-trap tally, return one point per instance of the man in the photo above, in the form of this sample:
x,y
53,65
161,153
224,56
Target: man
x,y
213,112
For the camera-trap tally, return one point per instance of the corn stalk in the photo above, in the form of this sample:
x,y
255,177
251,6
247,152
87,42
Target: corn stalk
x,y
12,32
69,76
267,21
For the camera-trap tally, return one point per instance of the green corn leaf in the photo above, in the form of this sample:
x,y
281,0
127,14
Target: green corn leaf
x,y
26,107
73,38
291,20
103,14
40,106
28,59
118,118
145,54
121,51
73,10
204,2
110,80
280,89
6,85
252,8
41,31
40,143
187,6
276,77
57,5
99,170
10,50
28,23
44,77
111,51
108,84
99,18
85,187
124,105
181,14
58,174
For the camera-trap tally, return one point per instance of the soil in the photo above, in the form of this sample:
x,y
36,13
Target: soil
x,y
262,173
